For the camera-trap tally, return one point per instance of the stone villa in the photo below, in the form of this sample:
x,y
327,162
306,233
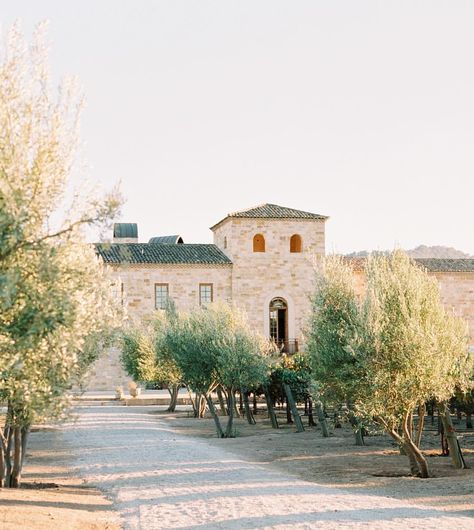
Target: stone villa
x,y
262,260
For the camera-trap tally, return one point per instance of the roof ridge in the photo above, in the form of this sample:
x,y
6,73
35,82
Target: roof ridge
x,y
251,208
270,210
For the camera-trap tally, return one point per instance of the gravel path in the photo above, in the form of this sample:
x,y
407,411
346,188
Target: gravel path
x,y
160,480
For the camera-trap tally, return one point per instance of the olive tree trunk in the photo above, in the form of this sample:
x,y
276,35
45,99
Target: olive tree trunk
x,y
248,412
412,449
453,442
289,419
417,461
322,419
229,431
174,391
270,409
12,454
421,424
291,403
221,400
356,426
215,417
311,422
198,403
468,420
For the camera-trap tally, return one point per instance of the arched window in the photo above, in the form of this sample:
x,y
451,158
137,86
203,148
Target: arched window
x,y
295,243
279,321
225,241
258,243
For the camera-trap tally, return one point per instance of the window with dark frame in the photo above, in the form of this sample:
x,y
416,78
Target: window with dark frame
x,y
205,293
161,295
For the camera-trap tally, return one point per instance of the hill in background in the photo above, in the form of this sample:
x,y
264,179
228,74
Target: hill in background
x,y
421,251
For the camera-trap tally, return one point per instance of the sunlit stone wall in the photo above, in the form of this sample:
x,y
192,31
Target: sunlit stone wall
x,y
135,284
258,277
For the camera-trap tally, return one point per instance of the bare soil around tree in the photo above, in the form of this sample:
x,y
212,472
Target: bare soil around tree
x,y
51,496
375,469
143,468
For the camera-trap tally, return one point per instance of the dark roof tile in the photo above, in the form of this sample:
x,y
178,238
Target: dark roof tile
x,y
272,211
139,253
430,264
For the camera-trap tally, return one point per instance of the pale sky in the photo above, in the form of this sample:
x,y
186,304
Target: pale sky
x,y
360,110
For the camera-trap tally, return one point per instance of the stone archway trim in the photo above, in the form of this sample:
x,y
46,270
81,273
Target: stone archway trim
x,y
290,312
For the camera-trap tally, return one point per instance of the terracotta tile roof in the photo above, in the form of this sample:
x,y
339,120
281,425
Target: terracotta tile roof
x,y
272,211
133,253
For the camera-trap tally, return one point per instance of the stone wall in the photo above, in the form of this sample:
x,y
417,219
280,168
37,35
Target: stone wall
x,y
107,372
258,277
183,284
456,291
139,299
252,281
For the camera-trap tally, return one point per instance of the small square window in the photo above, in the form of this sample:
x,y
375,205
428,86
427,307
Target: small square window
x,y
161,295
205,293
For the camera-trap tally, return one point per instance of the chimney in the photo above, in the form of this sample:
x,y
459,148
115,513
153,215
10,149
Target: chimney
x,y
125,233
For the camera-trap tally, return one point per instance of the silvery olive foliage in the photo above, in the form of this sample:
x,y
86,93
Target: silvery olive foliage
x,y
390,350
215,346
145,354
56,305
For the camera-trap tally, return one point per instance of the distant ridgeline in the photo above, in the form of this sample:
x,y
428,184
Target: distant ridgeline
x,y
422,251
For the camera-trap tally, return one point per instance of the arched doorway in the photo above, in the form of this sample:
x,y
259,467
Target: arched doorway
x,y
279,321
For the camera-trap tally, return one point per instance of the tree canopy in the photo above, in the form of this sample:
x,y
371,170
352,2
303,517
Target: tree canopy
x,y
55,296
214,346
391,350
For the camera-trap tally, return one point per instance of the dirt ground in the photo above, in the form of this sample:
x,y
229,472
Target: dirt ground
x,y
51,497
376,468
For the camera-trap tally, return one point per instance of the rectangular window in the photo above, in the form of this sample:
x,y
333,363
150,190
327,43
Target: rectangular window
x,y
205,293
161,295
118,291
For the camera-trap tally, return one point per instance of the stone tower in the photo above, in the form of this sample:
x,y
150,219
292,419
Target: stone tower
x,y
273,249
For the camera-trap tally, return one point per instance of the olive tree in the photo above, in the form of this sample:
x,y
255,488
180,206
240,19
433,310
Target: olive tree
x,y
215,346
398,347
412,349
55,297
145,355
332,334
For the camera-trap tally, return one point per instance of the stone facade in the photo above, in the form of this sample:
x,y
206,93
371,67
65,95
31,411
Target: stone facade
x,y
259,277
183,282
135,284
238,273
456,292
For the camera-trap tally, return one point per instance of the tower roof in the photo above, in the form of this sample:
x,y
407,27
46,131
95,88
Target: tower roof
x,y
272,211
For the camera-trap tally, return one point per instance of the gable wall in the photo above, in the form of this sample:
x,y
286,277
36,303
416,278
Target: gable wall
x,y
139,297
